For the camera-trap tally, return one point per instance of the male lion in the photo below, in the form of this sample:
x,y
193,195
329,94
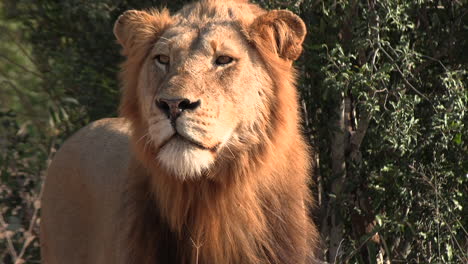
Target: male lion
x,y
207,163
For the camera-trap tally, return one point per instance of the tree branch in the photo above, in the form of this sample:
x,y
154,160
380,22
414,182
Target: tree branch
x,y
403,76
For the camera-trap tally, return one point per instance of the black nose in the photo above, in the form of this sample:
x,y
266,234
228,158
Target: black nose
x,y
174,107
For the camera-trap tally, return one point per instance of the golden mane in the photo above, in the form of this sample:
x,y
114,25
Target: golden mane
x,y
254,210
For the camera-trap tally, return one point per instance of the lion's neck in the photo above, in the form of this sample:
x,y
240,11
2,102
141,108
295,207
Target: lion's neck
x,y
212,222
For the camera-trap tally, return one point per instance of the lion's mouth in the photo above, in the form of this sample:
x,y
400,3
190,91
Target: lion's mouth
x,y
193,142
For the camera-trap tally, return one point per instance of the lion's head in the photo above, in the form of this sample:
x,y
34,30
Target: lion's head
x,y
199,85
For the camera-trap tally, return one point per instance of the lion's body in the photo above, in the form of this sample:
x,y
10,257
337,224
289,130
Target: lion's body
x,y
83,195
207,165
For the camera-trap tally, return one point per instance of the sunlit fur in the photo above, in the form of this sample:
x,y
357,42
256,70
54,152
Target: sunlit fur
x,y
243,196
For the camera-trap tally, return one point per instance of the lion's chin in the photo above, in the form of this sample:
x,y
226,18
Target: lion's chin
x,y
184,159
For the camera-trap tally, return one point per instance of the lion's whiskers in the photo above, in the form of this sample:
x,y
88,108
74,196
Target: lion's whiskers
x,y
150,140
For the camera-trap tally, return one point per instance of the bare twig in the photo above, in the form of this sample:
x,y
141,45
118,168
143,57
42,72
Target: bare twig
x,y
29,233
197,247
10,246
36,204
338,251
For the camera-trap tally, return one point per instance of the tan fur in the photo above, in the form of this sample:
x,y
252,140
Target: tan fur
x,y
231,188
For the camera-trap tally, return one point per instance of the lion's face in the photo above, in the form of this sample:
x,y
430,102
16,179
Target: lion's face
x,y
198,80
202,88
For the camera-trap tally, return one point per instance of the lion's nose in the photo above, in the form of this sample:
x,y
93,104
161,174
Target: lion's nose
x,y
174,107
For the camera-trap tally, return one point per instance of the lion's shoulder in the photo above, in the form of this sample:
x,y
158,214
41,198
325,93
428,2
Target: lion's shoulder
x,y
94,156
99,145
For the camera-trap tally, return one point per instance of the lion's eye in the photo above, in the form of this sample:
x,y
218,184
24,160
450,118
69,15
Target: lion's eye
x,y
163,59
222,60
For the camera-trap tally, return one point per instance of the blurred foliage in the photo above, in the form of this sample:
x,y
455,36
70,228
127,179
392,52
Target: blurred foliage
x,y
384,79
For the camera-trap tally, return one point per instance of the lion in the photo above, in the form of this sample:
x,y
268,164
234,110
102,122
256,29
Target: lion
x,y
206,163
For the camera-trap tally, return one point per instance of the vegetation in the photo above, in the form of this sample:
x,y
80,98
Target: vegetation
x,y
384,99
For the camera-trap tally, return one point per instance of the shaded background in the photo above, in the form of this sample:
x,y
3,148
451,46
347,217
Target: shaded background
x,y
384,101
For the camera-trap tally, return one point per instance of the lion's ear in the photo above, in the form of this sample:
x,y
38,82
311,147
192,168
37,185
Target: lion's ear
x,y
136,26
281,31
